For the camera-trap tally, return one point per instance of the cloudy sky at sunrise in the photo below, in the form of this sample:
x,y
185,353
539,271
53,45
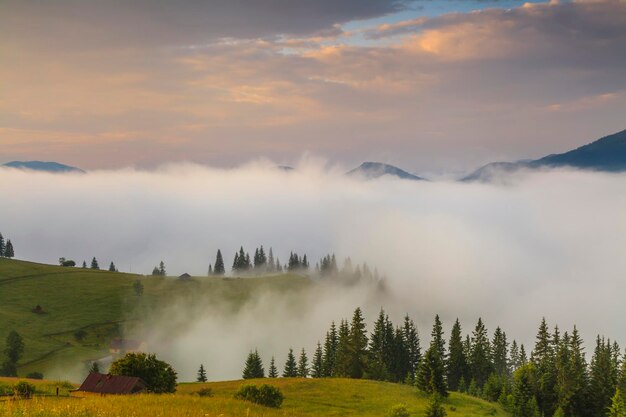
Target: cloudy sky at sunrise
x,y
431,86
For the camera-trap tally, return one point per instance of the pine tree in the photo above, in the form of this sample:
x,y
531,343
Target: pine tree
x,y
618,405
273,372
481,365
84,265
219,269
579,377
1,246
621,378
291,367
399,365
525,388
94,368
330,351
8,250
303,365
112,267
457,368
236,262
317,367
94,263
155,271
523,359
603,377
431,373
201,374
210,272
543,357
500,353
342,357
435,409
254,366
412,340
358,346
514,361
162,271
380,348
271,266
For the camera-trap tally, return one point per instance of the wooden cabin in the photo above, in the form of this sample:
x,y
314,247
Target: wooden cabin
x,y
101,385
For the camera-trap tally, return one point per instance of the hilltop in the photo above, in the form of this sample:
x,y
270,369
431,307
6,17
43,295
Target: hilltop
x,y
82,310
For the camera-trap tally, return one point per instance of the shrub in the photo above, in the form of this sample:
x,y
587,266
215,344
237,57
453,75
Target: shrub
x,y
159,376
23,389
35,375
266,395
399,410
204,392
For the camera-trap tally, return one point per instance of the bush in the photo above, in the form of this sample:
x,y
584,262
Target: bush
x,y
159,376
35,375
23,389
204,392
399,410
266,395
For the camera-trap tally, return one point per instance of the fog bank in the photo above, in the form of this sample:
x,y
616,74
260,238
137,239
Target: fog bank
x,y
544,244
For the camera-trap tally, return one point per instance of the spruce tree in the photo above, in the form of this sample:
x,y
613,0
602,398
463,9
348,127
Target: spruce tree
x,y
271,266
579,377
399,365
330,351
380,348
201,374
435,409
94,368
162,271
481,365
412,340
303,365
291,367
603,377
273,372
254,366
8,250
431,376
210,272
618,405
94,263
543,357
621,378
357,345
84,265
317,367
219,269
112,267
342,357
514,356
2,246
457,361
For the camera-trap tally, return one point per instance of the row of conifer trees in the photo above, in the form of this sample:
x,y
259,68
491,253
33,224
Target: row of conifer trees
x,y
556,380
6,248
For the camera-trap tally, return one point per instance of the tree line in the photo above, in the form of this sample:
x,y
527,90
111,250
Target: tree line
x,y
6,248
554,379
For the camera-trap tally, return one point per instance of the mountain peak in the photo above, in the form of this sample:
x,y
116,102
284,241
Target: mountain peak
x,y
372,170
54,167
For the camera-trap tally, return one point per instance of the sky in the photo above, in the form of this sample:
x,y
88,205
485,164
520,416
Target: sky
x,y
431,86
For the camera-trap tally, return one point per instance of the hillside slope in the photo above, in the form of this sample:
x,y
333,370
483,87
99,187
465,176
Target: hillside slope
x,y
83,309
303,398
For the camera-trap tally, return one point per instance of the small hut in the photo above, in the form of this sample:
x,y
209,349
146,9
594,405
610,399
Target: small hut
x,y
101,384
185,277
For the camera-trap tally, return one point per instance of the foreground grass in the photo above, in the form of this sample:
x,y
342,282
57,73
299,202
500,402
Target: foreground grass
x,y
100,305
303,397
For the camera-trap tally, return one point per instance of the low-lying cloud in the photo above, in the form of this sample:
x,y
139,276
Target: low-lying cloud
x,y
547,244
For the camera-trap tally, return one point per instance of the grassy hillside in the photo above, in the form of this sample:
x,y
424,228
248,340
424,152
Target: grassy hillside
x,y
303,397
83,309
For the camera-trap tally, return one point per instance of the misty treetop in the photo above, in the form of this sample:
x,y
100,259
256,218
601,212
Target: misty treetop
x,y
6,248
555,381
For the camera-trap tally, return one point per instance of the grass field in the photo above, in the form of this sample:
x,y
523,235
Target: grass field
x,y
100,304
303,397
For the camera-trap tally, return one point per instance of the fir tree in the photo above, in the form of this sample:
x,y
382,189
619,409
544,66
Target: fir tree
x,y
94,368
342,357
219,269
84,265
112,267
480,357
435,409
603,377
330,351
431,373
1,245
94,263
303,365
357,345
273,372
514,361
317,367
254,366
162,271
500,351
618,405
210,272
291,367
543,357
8,249
457,368
412,340
380,346
201,374
271,266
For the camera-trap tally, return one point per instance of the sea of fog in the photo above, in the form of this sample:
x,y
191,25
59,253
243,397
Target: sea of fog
x,y
534,244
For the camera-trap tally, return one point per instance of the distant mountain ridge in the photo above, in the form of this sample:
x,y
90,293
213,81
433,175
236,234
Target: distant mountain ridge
x,y
607,154
42,166
373,170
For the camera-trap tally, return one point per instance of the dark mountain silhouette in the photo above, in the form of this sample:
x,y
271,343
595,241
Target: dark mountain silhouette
x,y
42,166
372,170
607,154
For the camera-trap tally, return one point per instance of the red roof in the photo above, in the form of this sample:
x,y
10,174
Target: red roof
x,y
112,384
